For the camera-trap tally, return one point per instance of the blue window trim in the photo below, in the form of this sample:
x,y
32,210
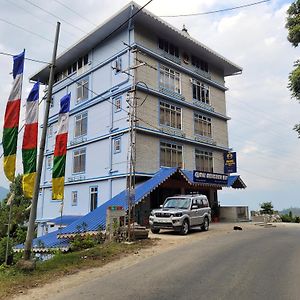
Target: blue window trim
x,y
170,103
87,116
87,77
162,140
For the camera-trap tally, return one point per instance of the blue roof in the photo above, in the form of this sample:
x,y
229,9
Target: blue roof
x,y
236,182
64,220
49,240
97,218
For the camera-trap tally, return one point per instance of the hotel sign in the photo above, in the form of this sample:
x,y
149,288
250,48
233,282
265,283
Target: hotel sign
x,y
212,178
230,162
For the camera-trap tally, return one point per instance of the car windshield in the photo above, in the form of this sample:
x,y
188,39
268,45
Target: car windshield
x,y
182,203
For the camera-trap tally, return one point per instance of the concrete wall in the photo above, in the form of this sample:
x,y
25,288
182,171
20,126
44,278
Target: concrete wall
x,y
234,213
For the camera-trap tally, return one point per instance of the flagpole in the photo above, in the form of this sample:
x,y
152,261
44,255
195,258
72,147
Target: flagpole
x,y
10,200
32,217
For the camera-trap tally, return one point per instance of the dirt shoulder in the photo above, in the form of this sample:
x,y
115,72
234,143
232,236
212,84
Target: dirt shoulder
x,y
166,240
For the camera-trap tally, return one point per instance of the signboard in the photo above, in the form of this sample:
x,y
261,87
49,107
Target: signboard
x,y
212,178
230,162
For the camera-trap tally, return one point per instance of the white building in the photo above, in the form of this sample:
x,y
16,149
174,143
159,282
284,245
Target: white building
x,y
181,113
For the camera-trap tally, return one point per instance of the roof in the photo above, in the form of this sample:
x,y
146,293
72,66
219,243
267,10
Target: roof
x,y
148,20
43,243
64,220
236,182
97,218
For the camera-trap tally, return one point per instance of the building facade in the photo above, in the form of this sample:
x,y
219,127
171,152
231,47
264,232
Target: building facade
x,y
181,118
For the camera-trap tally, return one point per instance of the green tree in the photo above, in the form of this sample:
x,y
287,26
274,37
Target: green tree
x,y
293,26
20,212
267,208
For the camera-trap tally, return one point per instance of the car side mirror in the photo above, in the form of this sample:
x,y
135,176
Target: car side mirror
x,y
194,206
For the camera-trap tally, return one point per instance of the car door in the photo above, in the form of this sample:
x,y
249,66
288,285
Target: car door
x,y
194,213
202,211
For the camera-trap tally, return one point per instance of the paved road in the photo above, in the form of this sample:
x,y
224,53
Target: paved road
x,y
256,264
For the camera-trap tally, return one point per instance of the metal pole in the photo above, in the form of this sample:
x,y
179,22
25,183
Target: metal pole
x,y
8,230
32,217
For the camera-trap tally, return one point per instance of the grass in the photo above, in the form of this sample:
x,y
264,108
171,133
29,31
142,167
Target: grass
x,y
14,281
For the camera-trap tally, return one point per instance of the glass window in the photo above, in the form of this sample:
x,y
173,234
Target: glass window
x,y
74,198
200,64
204,161
202,125
170,79
49,162
170,155
170,115
81,124
117,104
79,159
93,197
117,145
82,89
200,91
168,47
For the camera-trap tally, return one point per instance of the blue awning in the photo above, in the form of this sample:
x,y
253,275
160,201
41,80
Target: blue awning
x,y
236,182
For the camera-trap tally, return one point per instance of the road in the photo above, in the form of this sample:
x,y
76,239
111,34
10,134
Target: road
x,y
258,264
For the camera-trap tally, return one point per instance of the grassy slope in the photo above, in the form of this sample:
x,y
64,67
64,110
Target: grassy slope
x,y
13,281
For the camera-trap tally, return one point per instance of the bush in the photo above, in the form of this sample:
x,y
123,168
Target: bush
x,y
3,243
80,243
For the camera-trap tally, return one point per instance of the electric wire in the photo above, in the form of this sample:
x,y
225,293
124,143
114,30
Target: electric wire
x,y
26,58
215,11
55,16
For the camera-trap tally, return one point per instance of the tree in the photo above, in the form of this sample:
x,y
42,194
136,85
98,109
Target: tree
x,y
293,26
267,208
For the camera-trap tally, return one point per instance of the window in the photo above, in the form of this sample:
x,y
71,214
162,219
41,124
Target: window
x,y
202,125
117,104
117,66
93,197
82,89
50,131
170,115
49,162
200,64
74,198
169,79
168,47
204,160
200,91
79,157
81,125
117,145
170,155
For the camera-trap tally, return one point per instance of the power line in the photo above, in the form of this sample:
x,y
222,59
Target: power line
x,y
75,12
39,18
215,11
26,58
55,16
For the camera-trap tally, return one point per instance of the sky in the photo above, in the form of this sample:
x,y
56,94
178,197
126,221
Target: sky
x,y
258,101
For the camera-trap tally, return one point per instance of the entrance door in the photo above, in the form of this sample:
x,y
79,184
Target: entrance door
x,y
93,197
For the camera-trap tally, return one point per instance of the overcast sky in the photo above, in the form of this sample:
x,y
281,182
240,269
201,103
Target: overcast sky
x,y
258,101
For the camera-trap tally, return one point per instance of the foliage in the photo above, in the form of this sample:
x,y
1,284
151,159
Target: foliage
x,y
3,243
288,218
293,23
293,26
80,243
267,208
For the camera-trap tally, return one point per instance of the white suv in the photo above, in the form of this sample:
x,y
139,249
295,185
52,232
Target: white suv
x,y
181,213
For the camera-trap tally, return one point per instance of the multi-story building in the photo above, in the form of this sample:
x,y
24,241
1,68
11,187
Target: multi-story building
x,y
181,110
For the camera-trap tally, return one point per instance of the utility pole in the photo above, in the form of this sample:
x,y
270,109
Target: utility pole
x,y
32,217
132,151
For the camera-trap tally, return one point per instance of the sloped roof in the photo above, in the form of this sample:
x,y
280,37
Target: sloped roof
x,y
236,182
145,18
64,220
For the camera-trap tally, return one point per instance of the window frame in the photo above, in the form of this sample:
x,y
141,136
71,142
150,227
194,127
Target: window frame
x,y
204,156
81,87
116,107
115,140
74,203
204,122
81,120
169,115
166,81
201,91
167,47
172,149
93,205
74,161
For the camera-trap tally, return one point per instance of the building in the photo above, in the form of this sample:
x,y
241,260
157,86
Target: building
x,y
181,113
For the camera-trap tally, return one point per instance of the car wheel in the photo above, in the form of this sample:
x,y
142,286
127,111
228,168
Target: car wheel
x,y
185,227
205,224
154,230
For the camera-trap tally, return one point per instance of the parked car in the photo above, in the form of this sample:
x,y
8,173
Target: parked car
x,y
181,213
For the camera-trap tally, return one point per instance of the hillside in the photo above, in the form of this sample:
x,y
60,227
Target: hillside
x,y
3,192
295,211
